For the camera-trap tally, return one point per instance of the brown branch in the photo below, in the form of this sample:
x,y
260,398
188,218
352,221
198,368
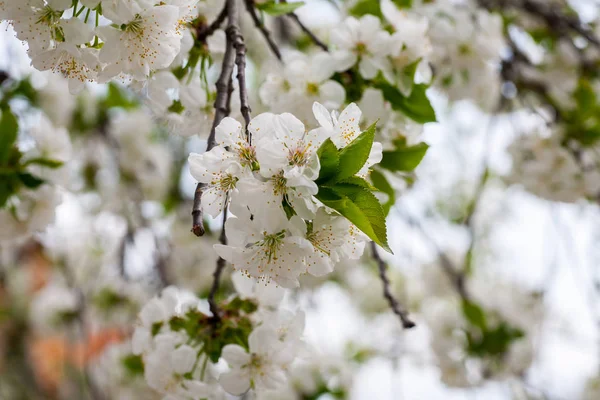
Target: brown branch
x,y
251,7
207,30
214,308
407,323
221,111
308,32
454,274
235,37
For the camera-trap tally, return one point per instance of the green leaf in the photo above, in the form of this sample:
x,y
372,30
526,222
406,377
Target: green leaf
x,y
358,181
355,154
287,207
9,129
134,365
116,97
364,7
277,9
416,106
45,162
403,3
329,160
30,181
474,314
404,159
360,207
382,185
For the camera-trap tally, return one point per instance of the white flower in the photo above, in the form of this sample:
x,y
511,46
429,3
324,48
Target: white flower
x,y
147,42
270,254
34,22
77,65
327,234
219,174
303,80
363,41
261,369
30,211
76,31
292,149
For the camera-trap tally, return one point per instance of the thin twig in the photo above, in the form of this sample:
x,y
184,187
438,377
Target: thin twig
x,y
308,32
235,37
221,111
214,308
251,7
204,32
454,274
407,323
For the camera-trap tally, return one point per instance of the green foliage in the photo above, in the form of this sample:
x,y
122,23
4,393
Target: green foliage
x,y
134,365
233,327
403,158
382,185
9,129
330,161
117,97
483,340
13,168
107,299
582,123
348,194
416,106
364,7
355,155
276,9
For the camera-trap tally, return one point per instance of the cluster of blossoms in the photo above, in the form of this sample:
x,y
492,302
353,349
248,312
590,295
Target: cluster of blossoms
x,y
280,230
462,329
552,171
100,40
186,355
34,173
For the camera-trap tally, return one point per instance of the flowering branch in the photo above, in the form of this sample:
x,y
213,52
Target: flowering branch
x,y
395,305
221,111
251,7
558,21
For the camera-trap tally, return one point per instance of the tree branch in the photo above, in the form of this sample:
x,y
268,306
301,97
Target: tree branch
x,y
214,308
251,7
407,323
221,111
455,275
207,30
308,32
235,37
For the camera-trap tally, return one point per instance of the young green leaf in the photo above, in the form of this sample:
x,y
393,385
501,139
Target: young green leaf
x,y
329,160
30,181
277,9
404,159
382,185
44,162
416,106
9,128
355,154
403,3
474,314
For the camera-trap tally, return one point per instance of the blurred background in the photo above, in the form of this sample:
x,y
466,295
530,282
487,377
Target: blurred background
x,y
69,296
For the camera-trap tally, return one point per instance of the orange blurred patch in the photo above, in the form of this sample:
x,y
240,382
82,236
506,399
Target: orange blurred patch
x,y
51,355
